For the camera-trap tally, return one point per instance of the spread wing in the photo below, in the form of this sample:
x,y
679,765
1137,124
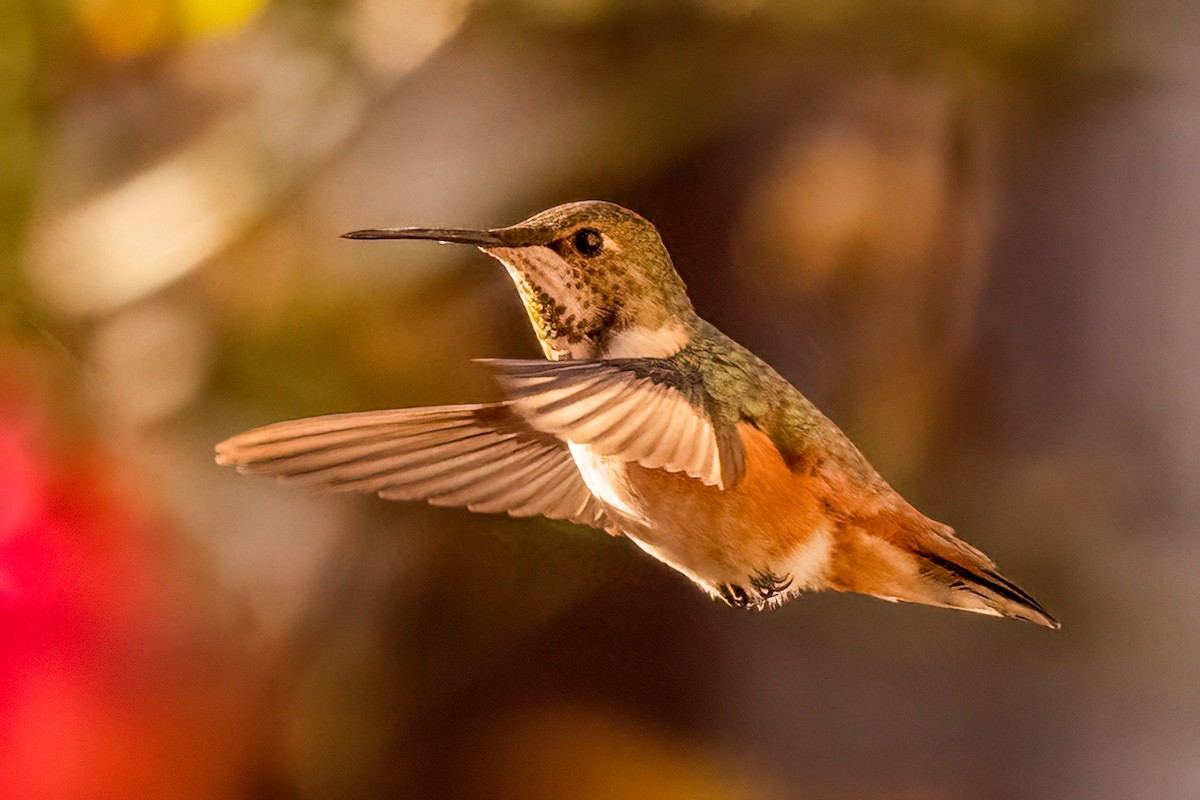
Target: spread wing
x,y
483,457
644,410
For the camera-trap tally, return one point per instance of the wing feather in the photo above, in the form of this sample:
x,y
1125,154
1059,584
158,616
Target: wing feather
x,y
640,410
484,457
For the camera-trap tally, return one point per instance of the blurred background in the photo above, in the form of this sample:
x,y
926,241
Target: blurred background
x,y
968,230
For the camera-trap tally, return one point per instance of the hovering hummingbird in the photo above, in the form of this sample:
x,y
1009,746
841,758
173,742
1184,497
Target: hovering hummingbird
x,y
647,422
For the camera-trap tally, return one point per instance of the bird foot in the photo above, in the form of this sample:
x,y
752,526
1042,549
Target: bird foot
x,y
765,585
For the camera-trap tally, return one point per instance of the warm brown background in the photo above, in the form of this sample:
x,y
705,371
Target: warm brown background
x,y
969,230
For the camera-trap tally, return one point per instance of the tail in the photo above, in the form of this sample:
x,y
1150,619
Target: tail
x,y
928,564
971,582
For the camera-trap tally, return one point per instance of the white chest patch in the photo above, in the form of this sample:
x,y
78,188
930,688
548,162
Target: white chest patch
x,y
646,342
806,564
608,479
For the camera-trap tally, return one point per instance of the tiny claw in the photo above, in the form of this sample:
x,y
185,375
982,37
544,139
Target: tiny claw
x,y
734,595
768,584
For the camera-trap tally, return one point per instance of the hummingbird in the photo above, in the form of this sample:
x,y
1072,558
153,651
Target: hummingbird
x,y
645,421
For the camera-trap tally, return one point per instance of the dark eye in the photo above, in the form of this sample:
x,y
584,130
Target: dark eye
x,y
588,241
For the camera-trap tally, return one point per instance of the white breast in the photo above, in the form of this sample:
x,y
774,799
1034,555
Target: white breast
x,y
661,342
608,479
807,563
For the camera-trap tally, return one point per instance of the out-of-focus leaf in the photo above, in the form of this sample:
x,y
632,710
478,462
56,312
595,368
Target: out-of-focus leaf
x,y
205,17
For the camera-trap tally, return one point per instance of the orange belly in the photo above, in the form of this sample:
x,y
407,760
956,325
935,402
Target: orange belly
x,y
824,520
716,535
806,525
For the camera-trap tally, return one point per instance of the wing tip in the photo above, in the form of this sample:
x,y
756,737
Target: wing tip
x,y
225,453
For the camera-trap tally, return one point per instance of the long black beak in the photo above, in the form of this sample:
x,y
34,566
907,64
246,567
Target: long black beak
x,y
454,235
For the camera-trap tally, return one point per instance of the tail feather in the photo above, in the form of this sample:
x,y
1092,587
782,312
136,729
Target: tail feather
x,y
980,587
930,565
